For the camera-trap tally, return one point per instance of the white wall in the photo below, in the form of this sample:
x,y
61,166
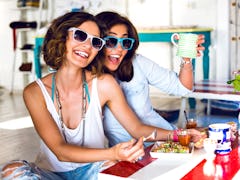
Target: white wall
x,y
6,46
204,13
222,42
143,13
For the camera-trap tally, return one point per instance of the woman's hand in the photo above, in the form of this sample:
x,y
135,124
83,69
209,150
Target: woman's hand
x,y
195,135
198,143
200,48
129,151
200,41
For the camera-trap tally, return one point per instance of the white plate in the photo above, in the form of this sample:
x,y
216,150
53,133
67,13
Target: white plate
x,y
170,156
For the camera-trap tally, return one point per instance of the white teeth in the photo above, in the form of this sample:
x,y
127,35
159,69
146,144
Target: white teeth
x,y
115,56
81,53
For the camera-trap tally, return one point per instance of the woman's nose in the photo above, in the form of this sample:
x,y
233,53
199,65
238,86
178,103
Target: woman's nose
x,y
119,46
88,43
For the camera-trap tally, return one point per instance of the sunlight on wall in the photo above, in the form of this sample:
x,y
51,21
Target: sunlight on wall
x,y
19,123
157,52
149,13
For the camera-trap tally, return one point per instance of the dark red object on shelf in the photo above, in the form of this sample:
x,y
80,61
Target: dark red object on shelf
x,y
26,67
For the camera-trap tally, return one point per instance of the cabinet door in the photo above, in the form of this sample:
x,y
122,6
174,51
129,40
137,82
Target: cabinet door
x,y
234,35
238,34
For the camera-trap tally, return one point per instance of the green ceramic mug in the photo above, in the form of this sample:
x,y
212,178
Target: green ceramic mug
x,y
186,44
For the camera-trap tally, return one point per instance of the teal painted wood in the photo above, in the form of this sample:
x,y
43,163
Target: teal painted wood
x,y
166,37
37,53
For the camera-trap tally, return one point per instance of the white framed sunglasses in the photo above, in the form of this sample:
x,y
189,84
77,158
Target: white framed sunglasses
x,y
112,42
82,36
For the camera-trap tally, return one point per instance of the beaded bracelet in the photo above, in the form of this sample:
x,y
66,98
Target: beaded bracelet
x,y
183,62
175,135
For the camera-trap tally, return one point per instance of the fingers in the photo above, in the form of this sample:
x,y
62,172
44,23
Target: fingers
x,y
129,144
201,38
137,151
200,48
176,37
195,135
200,41
130,151
194,132
199,53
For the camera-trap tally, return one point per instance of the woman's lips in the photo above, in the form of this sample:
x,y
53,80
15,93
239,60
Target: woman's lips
x,y
114,59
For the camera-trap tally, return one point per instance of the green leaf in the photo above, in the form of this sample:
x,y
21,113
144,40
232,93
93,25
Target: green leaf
x,y
237,77
236,85
230,81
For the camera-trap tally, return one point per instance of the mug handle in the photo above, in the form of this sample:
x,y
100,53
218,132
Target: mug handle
x,y
173,40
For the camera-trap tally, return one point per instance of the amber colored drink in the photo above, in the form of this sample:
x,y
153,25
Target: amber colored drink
x,y
192,123
184,139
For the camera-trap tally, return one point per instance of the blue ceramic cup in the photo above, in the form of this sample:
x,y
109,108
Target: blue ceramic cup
x,y
221,133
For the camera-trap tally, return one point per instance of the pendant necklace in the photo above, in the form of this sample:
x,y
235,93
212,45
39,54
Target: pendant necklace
x,y
84,104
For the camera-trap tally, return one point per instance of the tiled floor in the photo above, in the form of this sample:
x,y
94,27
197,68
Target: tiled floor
x,y
19,140
17,136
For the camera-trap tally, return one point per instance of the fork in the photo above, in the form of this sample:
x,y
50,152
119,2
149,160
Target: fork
x,y
152,136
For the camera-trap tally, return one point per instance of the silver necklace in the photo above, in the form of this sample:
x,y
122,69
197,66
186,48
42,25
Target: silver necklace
x,y
84,104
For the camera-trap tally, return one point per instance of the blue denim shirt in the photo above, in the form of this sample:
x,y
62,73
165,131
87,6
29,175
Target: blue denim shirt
x,y
146,72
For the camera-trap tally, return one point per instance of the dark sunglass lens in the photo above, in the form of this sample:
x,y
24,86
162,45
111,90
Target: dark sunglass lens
x,y
127,43
97,43
80,35
111,42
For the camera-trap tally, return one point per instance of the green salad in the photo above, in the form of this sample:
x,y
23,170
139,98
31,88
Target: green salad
x,y
171,147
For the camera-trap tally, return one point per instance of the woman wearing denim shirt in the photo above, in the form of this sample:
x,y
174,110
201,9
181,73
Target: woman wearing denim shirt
x,y
135,73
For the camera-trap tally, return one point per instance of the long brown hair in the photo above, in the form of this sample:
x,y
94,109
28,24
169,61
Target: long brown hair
x,y
54,46
108,19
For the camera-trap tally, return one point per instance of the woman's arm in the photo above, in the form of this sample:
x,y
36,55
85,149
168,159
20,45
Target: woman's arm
x,y
123,113
50,134
118,105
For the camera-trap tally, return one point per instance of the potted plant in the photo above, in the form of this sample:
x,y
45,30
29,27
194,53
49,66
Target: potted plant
x,y
236,81
236,85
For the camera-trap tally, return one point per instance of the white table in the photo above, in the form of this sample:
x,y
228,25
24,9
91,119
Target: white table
x,y
174,168
162,168
208,89
168,168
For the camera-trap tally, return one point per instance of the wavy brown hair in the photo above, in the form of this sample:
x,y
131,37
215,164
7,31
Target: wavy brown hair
x,y
108,19
54,45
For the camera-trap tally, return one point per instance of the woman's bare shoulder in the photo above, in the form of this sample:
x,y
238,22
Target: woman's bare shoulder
x,y
107,81
33,88
30,88
108,88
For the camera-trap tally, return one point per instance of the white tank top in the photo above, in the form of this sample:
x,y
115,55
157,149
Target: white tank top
x,y
94,134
